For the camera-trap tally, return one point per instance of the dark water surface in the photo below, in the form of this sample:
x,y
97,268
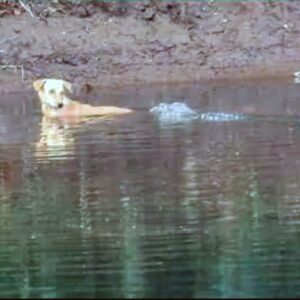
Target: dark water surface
x,y
136,208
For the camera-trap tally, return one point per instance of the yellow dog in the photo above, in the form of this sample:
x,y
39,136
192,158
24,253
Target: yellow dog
x,y
55,103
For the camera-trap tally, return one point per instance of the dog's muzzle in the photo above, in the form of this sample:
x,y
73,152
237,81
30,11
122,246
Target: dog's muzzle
x,y
60,105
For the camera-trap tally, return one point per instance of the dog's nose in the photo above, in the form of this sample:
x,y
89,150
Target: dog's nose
x,y
60,105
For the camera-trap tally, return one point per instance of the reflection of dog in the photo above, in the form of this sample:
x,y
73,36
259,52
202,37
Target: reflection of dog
x,y
55,103
56,140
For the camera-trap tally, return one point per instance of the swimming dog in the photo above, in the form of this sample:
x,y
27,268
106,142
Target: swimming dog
x,y
55,103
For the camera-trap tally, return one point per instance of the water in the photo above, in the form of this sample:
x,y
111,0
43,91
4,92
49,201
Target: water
x,y
136,207
179,112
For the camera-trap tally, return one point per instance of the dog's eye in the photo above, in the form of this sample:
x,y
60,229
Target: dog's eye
x,y
52,91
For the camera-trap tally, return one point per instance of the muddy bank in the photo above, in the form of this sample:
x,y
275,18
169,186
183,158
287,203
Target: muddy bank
x,y
151,41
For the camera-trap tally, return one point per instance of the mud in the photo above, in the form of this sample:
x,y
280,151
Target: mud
x,y
108,44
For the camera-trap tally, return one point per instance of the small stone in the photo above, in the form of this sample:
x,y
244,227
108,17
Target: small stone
x,y
148,14
297,74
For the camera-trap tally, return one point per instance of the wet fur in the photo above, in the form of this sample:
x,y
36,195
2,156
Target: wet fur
x,y
55,103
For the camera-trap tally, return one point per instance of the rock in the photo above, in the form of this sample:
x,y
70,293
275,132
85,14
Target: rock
x,y
149,14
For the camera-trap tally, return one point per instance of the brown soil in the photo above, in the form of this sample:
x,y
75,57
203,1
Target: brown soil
x,y
151,41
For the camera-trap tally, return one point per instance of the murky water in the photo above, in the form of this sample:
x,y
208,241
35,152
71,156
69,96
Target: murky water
x,y
133,207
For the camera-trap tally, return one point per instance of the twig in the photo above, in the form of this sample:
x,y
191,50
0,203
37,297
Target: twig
x,y
22,72
15,67
27,8
3,67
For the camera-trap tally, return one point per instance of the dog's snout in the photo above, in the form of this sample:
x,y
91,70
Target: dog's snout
x,y
60,105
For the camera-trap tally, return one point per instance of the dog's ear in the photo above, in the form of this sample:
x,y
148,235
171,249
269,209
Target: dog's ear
x,y
67,86
39,84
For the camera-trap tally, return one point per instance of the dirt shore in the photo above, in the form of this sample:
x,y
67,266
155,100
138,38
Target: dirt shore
x,y
114,43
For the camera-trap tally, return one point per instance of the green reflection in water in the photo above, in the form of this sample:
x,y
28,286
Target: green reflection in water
x,y
204,210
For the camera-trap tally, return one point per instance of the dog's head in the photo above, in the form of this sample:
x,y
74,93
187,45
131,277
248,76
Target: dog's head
x,y
52,92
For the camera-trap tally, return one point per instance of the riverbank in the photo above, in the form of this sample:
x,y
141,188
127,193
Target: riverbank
x,y
109,44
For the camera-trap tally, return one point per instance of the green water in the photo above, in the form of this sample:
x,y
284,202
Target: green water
x,y
134,208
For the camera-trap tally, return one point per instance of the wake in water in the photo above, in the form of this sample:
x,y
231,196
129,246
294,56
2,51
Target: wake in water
x,y
180,112
173,112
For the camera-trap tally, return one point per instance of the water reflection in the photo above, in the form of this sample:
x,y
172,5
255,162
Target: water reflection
x,y
56,140
131,208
